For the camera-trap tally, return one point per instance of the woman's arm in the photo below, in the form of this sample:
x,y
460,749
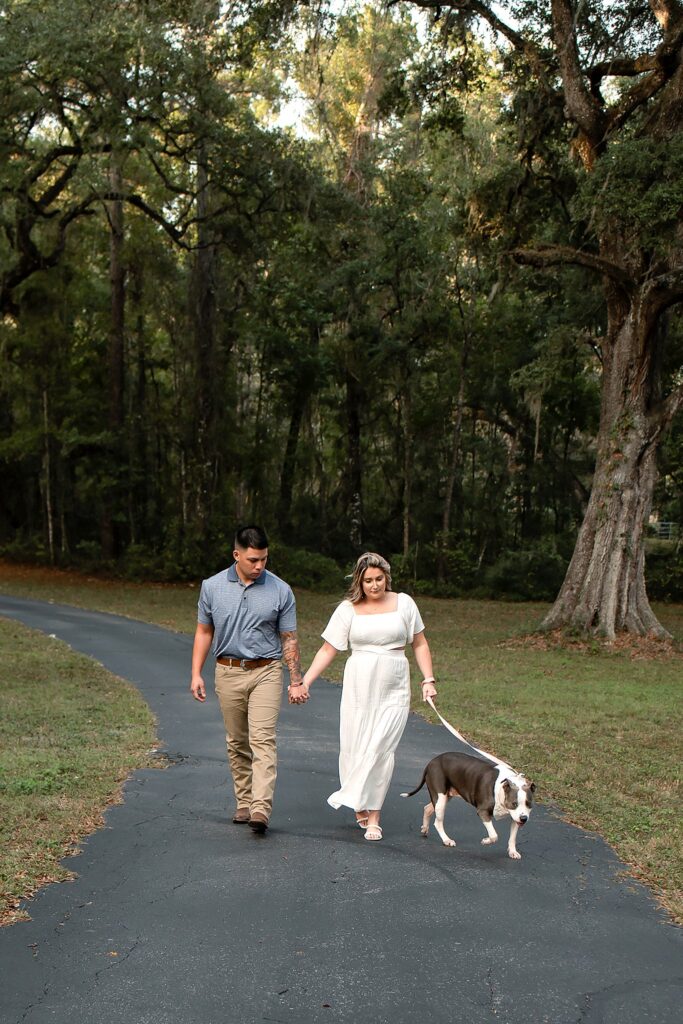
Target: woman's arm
x,y
322,660
423,657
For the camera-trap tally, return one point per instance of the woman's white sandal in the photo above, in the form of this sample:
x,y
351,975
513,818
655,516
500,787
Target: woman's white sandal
x,y
373,833
362,822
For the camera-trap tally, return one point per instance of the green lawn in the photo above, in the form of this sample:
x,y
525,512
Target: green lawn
x,y
598,729
70,733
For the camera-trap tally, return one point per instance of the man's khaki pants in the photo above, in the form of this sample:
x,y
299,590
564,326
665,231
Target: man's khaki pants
x,y
250,700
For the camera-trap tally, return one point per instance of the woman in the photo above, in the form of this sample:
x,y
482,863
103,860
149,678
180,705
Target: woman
x,y
377,623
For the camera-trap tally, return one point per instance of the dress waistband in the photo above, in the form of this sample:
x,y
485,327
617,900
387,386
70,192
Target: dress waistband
x,y
390,652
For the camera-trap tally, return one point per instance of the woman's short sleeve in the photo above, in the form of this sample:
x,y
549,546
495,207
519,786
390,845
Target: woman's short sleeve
x,y
337,629
413,619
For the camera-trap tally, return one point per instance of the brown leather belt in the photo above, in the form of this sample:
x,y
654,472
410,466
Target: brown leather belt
x,y
245,662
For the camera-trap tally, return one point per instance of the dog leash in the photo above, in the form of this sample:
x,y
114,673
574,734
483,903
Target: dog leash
x,y
459,736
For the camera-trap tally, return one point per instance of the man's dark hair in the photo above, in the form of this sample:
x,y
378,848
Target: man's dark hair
x,y
251,537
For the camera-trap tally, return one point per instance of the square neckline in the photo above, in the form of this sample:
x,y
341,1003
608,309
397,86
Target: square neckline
x,y
369,615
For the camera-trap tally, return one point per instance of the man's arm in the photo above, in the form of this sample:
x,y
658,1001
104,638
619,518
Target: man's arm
x,y
292,659
203,639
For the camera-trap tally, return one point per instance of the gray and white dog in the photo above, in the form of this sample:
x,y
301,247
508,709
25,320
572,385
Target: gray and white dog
x,y
495,790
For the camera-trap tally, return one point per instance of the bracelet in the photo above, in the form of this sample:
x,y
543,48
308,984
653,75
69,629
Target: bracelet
x,y
429,679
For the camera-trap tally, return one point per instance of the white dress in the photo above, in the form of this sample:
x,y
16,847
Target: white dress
x,y
375,698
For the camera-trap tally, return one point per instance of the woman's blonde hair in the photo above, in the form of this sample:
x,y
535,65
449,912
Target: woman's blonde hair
x,y
368,560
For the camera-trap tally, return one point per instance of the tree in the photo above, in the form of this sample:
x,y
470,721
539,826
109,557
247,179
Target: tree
x,y
107,114
346,77
609,81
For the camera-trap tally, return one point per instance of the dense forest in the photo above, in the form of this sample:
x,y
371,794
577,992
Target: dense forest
x,y
398,276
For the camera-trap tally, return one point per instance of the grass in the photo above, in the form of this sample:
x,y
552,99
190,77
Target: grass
x,y
70,733
597,728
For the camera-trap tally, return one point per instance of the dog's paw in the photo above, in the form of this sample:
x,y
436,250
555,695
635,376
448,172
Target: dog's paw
x,y
424,830
488,841
448,842
514,855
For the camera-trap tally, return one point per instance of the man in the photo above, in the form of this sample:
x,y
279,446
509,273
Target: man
x,y
249,616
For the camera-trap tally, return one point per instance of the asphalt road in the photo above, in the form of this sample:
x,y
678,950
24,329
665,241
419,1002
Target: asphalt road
x,y
177,916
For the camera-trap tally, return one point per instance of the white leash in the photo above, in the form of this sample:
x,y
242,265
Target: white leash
x,y
459,736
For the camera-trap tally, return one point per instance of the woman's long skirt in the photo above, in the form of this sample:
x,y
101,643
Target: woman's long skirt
x,y
374,711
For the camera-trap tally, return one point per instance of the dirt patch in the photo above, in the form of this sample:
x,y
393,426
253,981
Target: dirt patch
x,y
637,648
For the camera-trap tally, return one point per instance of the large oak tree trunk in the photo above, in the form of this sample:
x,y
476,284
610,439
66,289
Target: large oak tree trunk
x,y
604,589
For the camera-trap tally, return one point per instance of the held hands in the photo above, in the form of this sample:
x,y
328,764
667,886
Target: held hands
x,y
297,693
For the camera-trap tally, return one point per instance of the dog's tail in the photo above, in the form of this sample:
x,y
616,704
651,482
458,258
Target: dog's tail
x,y
417,788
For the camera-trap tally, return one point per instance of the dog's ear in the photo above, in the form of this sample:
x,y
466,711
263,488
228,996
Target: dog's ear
x,y
532,787
507,785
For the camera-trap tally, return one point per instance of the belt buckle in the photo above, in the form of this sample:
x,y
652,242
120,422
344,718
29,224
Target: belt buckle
x,y
243,663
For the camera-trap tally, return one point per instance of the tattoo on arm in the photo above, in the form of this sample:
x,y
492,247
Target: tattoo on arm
x,y
291,656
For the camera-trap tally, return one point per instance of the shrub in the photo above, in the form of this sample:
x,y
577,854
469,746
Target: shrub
x,y
306,569
460,571
88,557
25,549
664,570
140,563
531,573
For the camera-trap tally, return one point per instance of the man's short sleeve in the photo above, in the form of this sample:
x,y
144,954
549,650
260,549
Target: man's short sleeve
x,y
287,617
204,608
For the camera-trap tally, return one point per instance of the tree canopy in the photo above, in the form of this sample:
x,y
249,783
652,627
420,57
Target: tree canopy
x,y
443,321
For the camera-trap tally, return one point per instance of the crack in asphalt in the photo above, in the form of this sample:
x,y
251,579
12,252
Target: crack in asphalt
x,y
118,960
595,998
494,997
32,1006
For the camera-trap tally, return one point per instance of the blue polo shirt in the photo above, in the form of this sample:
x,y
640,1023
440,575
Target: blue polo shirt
x,y
247,620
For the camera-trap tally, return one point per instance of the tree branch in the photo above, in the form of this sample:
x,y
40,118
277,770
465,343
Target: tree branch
x,y
33,259
662,413
667,12
140,204
635,98
178,190
584,104
58,186
672,404
523,45
622,67
557,255
43,165
662,66
581,106
666,290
